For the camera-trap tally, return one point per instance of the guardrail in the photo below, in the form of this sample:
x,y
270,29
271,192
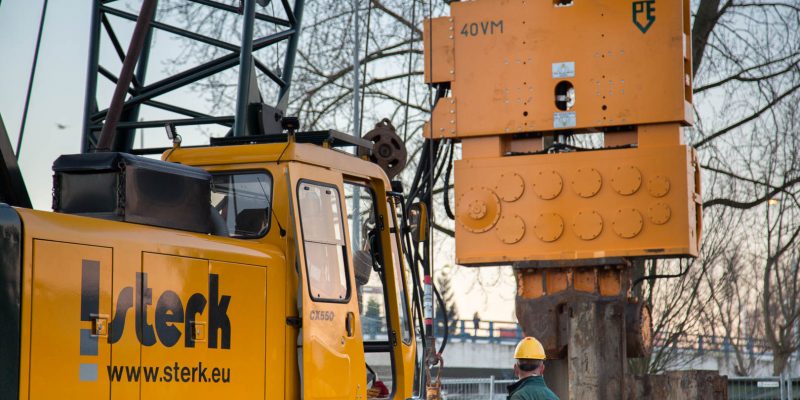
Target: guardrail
x,y
739,388
768,388
510,332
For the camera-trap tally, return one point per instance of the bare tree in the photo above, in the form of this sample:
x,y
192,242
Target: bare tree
x,y
781,260
745,58
733,314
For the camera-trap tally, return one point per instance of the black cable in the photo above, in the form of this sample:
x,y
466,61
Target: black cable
x,y
447,209
421,174
288,142
445,319
560,147
660,276
418,295
414,188
419,191
420,181
440,155
412,258
30,81
430,161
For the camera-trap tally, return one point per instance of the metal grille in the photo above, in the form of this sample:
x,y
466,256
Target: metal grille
x,y
767,388
475,388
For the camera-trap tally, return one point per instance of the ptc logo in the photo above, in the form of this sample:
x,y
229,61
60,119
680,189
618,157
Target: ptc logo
x,y
644,14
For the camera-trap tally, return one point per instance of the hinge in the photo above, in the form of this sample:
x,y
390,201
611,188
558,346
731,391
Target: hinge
x,y
380,225
393,338
296,322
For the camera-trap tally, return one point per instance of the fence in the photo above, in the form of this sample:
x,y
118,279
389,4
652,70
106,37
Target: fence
x,y
475,388
511,333
768,388
739,388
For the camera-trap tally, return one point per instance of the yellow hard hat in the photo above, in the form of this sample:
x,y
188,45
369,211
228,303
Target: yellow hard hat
x,y
529,348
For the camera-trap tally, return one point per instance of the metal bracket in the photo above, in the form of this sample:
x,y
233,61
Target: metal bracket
x,y
296,322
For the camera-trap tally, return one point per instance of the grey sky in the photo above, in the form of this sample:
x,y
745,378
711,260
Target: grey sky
x,y
58,88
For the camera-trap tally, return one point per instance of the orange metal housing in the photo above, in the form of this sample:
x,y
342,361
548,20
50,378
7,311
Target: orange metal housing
x,y
505,61
521,72
580,205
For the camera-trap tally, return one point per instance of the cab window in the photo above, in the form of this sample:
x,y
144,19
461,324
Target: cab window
x,y
323,242
402,300
373,300
241,202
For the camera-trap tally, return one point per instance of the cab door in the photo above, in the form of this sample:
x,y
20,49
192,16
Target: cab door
x,y
332,362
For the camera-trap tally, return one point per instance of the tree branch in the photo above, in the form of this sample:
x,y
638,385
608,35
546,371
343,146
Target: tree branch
x,y
446,231
740,76
396,16
750,204
753,116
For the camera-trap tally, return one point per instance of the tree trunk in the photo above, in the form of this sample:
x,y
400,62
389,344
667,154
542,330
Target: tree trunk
x,y
779,361
704,21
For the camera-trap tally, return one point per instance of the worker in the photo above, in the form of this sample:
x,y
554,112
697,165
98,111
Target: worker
x,y
529,368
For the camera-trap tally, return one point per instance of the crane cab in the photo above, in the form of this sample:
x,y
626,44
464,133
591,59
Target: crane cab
x,y
295,290
346,293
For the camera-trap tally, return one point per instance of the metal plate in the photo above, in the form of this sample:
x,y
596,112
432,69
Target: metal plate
x,y
547,184
478,210
510,229
549,227
627,223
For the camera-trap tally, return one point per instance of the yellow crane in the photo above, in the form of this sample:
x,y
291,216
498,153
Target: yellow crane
x,y
257,300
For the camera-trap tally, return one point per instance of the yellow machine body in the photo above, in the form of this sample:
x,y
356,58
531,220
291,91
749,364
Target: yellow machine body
x,y
126,311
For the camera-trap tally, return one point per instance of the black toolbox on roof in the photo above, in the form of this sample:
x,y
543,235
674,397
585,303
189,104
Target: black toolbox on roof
x,y
129,188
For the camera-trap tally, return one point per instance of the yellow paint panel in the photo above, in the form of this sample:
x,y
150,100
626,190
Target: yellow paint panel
x,y
72,286
225,304
246,285
126,350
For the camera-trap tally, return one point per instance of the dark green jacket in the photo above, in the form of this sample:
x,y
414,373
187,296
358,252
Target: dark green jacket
x,y
530,388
